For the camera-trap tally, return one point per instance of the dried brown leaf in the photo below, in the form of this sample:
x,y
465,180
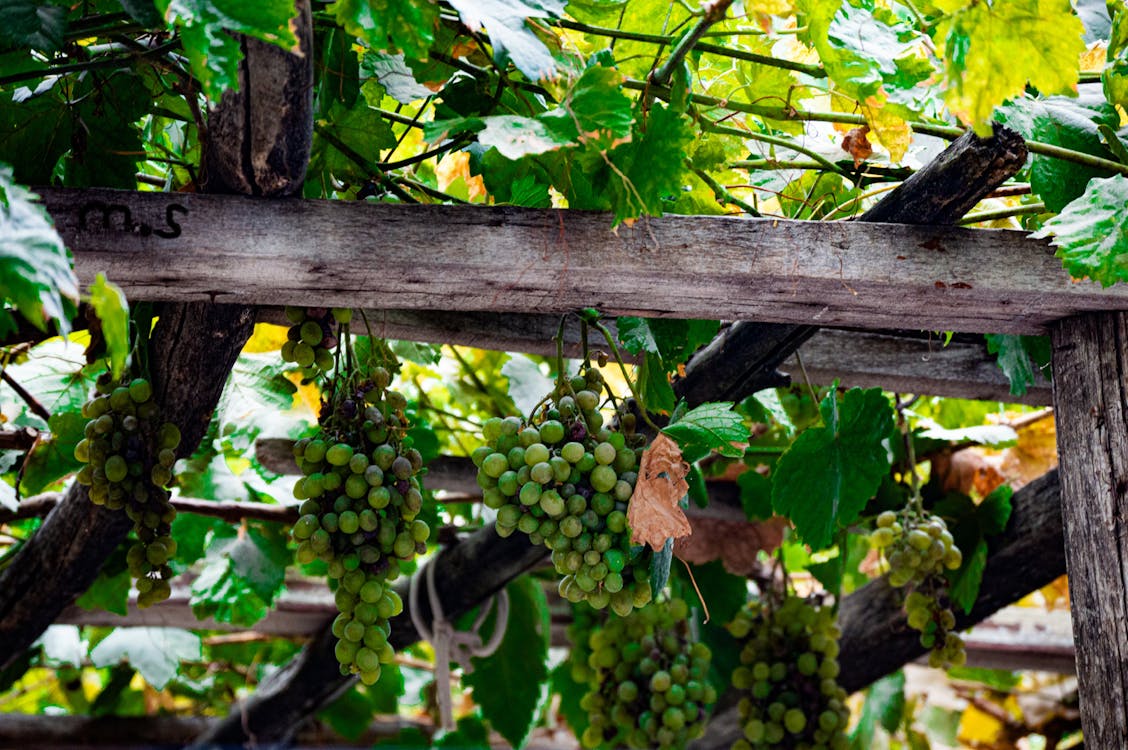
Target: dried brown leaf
x,y
735,543
654,515
857,145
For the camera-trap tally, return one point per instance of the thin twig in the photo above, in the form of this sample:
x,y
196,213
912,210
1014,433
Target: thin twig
x,y
32,403
723,195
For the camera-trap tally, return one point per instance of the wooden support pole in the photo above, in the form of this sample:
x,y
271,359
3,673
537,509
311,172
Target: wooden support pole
x,y
1090,365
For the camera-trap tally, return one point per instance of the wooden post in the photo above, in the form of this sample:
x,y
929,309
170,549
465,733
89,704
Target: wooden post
x,y
1090,374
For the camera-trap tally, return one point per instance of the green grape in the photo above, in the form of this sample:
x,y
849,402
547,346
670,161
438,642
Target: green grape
x,y
788,645
618,660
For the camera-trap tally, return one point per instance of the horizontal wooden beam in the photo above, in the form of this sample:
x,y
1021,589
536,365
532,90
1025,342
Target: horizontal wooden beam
x,y
183,247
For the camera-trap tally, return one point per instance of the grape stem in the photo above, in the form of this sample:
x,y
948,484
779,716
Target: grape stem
x,y
626,376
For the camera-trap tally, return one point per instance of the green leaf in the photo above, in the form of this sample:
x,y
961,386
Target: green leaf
x,y
654,385
1091,234
110,591
507,685
561,683
713,425
52,459
29,23
359,131
206,28
826,476
143,12
35,268
394,75
755,494
724,592
527,382
652,167
884,705
406,26
1115,75
155,653
510,35
965,582
112,309
997,679
995,511
994,435
660,566
1013,355
1072,125
351,714
242,576
989,54
469,734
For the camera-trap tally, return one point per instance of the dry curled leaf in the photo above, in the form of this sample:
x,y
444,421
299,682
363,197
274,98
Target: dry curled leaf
x,y
654,515
857,145
735,543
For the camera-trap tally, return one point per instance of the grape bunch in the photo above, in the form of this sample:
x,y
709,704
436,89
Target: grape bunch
x,y
128,455
360,494
646,681
788,675
310,340
565,479
918,548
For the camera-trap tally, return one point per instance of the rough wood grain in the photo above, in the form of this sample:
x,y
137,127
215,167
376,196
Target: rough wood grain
x,y
743,358
240,250
192,348
259,135
875,637
1090,361
919,364
468,573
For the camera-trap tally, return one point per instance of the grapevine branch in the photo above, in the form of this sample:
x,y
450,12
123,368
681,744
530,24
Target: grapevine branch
x,y
32,402
713,13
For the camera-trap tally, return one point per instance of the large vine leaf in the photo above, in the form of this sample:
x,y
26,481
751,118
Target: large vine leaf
x,y
406,26
665,343
155,653
34,24
508,684
243,574
992,50
1115,75
112,309
972,526
713,426
826,476
1091,234
1020,358
506,23
35,268
206,28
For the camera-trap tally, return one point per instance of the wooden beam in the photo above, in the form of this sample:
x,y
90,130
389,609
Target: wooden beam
x,y
191,247
1090,361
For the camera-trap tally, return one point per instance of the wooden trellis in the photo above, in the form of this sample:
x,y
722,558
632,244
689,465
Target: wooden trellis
x,y
193,250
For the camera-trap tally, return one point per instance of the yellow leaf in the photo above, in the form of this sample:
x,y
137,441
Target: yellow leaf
x,y
653,513
266,338
770,7
889,130
1093,58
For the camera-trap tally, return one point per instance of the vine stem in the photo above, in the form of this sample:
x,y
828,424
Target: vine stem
x,y
32,402
723,195
948,132
1003,213
626,376
824,162
713,12
910,450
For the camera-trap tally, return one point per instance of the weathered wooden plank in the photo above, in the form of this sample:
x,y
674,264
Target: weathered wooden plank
x,y
909,364
1090,361
848,274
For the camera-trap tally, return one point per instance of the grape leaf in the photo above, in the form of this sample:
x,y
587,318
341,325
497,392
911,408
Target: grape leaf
x,y
346,134
652,166
1091,234
395,76
994,435
1115,76
713,425
155,653
884,705
653,384
242,575
570,692
995,511
206,28
527,383
755,494
510,35
1073,125
507,685
112,309
53,458
29,23
143,12
62,645
826,476
109,592
406,26
965,582
992,50
351,714
1013,355
35,268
